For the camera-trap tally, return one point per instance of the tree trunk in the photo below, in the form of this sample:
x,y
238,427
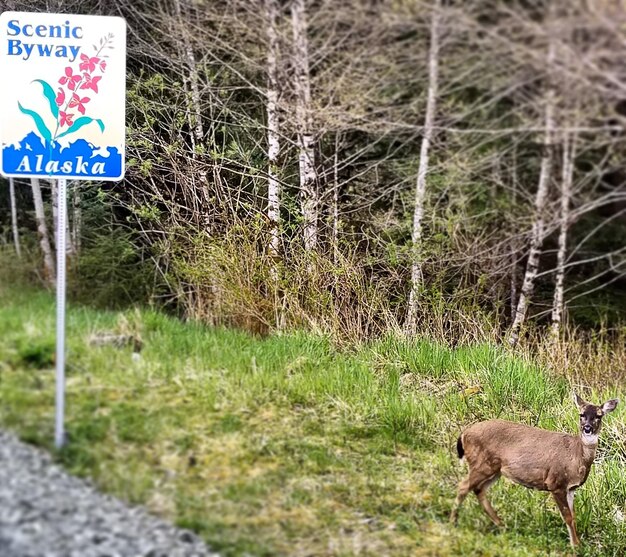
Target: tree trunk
x,y
42,230
16,235
513,289
190,81
538,229
306,141
513,248
273,135
335,238
54,197
569,156
417,278
77,219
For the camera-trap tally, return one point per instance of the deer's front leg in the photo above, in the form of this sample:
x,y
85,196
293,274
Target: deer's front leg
x,y
565,502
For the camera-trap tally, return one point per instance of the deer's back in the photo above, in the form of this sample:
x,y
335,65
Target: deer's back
x,y
527,455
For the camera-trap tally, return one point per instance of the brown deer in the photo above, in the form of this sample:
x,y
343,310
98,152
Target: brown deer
x,y
533,457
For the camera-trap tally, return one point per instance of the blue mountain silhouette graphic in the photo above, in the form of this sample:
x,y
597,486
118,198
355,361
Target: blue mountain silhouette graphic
x,y
34,157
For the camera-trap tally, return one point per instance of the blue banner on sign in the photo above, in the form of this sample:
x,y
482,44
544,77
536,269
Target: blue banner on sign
x,y
33,156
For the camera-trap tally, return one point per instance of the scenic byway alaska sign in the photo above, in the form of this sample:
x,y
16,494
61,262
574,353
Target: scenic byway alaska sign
x,y
62,101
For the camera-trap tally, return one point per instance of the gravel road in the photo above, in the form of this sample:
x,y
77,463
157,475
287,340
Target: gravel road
x,y
44,512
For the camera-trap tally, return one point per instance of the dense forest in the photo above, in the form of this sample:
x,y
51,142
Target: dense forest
x,y
453,169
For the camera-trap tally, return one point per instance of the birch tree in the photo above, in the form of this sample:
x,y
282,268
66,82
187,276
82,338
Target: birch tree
x,y
538,228
309,193
77,219
190,78
567,173
16,235
54,198
42,231
335,202
417,276
273,126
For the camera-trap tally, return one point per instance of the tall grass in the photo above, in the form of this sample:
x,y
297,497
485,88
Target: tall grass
x,y
290,445
586,357
232,279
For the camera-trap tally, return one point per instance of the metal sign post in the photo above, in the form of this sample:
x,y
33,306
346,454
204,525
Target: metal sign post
x,y
63,117
59,433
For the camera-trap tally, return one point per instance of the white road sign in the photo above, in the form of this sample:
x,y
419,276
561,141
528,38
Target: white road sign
x,y
62,116
62,101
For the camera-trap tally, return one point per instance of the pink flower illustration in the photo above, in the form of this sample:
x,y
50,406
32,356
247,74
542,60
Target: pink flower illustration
x,y
60,97
90,82
67,105
88,64
66,119
71,79
78,102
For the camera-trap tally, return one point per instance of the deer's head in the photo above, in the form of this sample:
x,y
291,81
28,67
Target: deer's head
x,y
591,418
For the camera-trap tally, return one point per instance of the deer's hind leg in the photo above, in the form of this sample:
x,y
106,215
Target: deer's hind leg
x,y
478,482
481,494
461,494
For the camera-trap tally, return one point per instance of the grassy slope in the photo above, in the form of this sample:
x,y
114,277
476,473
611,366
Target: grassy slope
x,y
285,446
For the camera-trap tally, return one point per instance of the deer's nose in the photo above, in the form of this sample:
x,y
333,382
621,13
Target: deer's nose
x,y
587,428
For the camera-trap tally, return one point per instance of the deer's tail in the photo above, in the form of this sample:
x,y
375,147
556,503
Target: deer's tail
x,y
459,447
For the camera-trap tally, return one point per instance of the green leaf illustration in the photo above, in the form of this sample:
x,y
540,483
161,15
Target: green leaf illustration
x,y
80,122
41,127
48,91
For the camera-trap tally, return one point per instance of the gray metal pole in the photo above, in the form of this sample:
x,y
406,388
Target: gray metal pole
x,y
59,433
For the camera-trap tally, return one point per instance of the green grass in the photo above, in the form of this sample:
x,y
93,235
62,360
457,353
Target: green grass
x,y
287,446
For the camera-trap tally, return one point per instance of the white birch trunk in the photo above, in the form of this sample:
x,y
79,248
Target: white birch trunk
x,y
273,129
77,219
513,294
16,234
55,209
569,156
336,201
190,81
42,230
538,229
514,250
69,244
417,278
306,140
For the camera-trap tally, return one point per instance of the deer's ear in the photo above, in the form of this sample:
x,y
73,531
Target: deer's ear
x,y
609,405
578,401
